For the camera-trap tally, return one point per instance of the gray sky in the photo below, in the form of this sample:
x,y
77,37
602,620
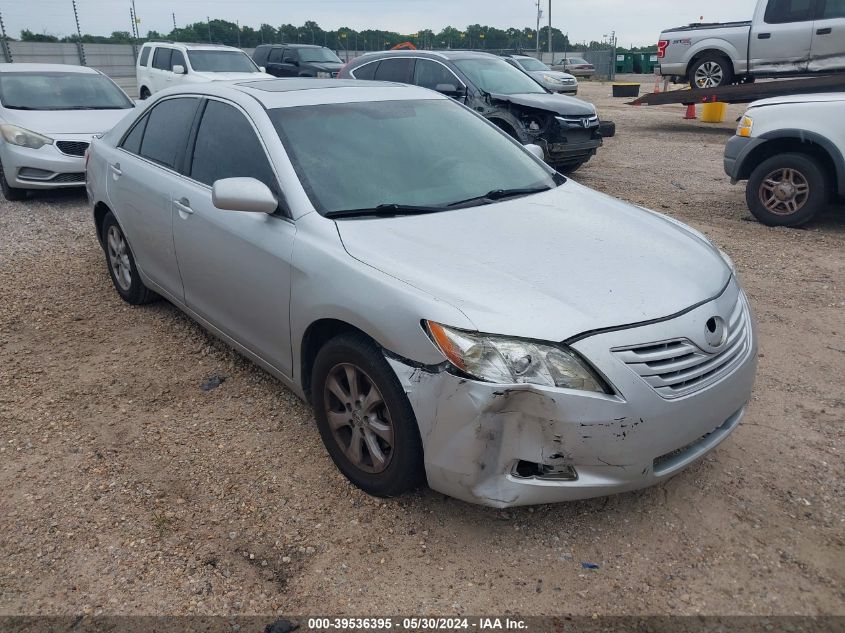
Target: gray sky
x,y
636,22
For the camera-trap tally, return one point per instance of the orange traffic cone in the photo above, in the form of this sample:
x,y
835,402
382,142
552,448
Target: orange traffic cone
x,y
690,114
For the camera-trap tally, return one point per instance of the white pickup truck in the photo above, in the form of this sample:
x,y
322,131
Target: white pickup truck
x,y
785,37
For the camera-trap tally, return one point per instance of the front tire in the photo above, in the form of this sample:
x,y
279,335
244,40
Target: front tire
x,y
711,71
121,265
12,194
787,190
364,417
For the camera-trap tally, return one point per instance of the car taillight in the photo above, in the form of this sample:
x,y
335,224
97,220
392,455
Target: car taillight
x,y
661,48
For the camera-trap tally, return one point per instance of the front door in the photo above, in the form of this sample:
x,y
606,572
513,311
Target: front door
x,y
274,62
235,265
828,49
290,63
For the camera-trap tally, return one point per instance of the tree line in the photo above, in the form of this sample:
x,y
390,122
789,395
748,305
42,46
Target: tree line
x,y
474,36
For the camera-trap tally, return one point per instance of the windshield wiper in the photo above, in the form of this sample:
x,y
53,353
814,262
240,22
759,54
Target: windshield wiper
x,y
500,194
390,210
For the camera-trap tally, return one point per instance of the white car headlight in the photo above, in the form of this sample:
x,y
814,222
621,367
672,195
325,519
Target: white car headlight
x,y
504,360
23,137
552,79
323,75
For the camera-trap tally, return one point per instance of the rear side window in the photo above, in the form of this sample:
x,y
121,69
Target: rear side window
x,y
145,56
833,9
785,11
132,142
161,59
177,58
228,147
275,56
398,70
367,71
166,134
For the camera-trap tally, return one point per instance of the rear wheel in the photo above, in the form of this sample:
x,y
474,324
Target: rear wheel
x,y
365,418
145,93
786,190
121,265
12,194
711,71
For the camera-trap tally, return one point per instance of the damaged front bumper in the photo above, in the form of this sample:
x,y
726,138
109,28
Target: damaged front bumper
x,y
481,440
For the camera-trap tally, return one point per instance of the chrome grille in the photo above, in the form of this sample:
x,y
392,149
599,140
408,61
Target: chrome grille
x,y
679,367
72,148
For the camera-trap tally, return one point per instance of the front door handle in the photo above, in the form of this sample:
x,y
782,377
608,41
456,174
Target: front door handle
x,y
115,170
183,205
764,36
825,31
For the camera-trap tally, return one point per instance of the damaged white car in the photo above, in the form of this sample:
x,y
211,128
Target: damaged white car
x,y
455,311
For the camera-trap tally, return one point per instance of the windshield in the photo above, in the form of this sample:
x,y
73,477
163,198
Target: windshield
x,y
532,64
221,62
423,153
60,91
318,55
496,76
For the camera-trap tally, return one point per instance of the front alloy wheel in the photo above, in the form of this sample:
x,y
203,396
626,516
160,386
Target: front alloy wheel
x,y
709,75
787,190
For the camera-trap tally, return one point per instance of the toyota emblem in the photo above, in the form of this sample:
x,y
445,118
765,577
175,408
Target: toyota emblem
x,y
715,332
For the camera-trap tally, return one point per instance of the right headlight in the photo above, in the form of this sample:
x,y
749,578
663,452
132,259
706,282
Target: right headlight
x,y
505,360
23,137
745,127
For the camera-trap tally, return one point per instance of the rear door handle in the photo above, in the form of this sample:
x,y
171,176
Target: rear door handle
x,y
764,36
115,170
825,31
183,205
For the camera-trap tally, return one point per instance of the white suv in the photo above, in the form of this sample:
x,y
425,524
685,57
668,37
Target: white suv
x,y
791,150
165,64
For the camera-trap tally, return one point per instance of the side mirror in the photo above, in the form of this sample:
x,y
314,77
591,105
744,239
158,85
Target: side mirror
x,y
262,69
179,69
450,90
536,150
243,194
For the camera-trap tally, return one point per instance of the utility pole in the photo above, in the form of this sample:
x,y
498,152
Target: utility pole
x,y
238,24
539,15
208,21
551,52
174,21
7,54
134,12
79,35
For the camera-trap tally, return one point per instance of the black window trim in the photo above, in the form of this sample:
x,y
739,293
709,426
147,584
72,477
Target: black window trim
x,y
461,82
180,158
283,210
149,51
155,52
816,8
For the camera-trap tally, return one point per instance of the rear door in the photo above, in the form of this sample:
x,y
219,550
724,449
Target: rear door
x,y
781,36
235,265
828,48
274,62
141,181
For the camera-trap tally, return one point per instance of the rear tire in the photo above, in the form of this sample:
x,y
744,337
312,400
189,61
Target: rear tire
x,y
364,417
12,194
121,264
711,71
787,190
145,93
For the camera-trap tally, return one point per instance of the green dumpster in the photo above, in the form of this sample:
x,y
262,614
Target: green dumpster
x,y
646,62
625,62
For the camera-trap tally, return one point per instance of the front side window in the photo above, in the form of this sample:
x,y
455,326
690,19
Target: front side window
x,y
496,76
275,56
318,55
177,59
212,61
785,11
145,56
60,91
833,9
167,129
161,58
424,152
227,147
398,70
429,74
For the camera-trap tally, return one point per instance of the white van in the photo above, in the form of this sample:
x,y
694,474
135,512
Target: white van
x,y
165,64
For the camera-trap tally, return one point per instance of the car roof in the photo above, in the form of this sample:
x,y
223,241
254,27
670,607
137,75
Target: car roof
x,y
430,54
193,46
285,44
291,92
46,68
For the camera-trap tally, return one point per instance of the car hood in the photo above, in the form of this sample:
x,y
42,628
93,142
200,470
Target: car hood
x,y
810,98
559,104
548,266
66,121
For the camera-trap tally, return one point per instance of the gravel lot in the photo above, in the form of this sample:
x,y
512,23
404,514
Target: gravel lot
x,y
129,489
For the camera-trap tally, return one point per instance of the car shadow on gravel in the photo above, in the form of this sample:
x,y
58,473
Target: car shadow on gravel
x,y
73,195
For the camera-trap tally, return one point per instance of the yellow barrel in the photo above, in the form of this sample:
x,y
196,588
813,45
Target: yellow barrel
x,y
714,112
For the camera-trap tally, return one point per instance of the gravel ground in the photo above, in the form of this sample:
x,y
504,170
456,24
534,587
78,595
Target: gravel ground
x,y
128,489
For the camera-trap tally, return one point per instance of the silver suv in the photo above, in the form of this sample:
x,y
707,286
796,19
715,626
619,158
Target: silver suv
x,y
453,309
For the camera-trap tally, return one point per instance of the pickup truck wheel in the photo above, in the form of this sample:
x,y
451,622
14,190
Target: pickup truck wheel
x,y
786,190
365,418
711,71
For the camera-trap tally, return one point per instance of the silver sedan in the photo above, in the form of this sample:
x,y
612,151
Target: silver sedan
x,y
455,311
48,114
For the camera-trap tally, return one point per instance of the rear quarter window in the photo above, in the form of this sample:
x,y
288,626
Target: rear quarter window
x,y
161,58
367,71
145,56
